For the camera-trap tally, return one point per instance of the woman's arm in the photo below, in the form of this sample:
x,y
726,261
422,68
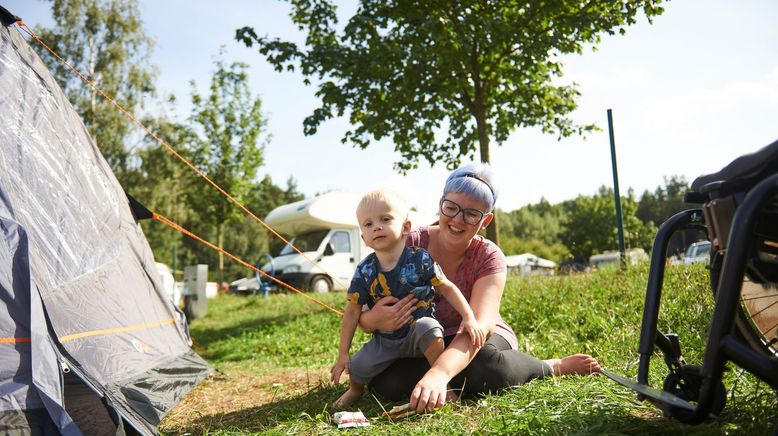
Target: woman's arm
x,y
430,392
388,314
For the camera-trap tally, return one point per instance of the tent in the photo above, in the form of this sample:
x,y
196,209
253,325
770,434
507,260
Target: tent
x,y
89,343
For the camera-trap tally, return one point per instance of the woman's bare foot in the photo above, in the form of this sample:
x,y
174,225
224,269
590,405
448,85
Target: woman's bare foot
x,y
347,399
581,364
451,396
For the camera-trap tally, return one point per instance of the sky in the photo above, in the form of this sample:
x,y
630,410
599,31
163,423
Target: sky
x,y
689,93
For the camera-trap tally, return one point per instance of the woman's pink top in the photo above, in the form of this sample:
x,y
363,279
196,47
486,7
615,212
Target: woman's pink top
x,y
482,258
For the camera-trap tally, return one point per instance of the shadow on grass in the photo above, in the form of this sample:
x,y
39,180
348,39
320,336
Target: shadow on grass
x,y
600,421
308,411
593,412
310,414
581,406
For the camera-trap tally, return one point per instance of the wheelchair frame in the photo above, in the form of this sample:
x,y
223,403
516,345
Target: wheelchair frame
x,y
724,343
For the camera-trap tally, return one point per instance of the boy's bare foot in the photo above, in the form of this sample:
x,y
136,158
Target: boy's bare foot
x,y
581,364
347,399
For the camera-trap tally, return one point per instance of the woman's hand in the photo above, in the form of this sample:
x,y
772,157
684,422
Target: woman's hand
x,y
430,392
388,314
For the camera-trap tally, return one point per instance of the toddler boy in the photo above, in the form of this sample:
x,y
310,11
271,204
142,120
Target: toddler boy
x,y
394,270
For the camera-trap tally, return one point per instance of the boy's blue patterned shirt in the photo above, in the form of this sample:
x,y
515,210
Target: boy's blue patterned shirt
x,y
416,273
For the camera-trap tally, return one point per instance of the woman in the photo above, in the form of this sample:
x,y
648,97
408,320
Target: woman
x,y
477,266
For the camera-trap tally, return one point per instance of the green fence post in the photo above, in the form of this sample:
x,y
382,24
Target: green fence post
x,y
619,220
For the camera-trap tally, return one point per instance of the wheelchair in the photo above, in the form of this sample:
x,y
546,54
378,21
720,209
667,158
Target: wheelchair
x,y
739,214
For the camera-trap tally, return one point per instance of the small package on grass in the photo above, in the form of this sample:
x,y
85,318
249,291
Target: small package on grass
x,y
350,419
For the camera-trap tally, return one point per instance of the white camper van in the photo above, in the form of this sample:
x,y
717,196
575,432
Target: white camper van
x,y
326,231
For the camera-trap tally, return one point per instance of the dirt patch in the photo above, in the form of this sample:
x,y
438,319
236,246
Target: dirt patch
x,y
233,391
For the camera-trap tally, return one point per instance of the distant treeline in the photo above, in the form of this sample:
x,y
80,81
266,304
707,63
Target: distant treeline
x,y
578,228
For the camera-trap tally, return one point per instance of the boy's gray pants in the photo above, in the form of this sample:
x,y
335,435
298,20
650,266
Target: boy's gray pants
x,y
380,352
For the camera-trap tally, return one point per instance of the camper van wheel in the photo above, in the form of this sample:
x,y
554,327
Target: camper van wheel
x,y
320,284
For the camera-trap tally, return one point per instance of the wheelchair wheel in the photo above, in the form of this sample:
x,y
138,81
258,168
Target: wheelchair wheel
x,y
756,320
685,383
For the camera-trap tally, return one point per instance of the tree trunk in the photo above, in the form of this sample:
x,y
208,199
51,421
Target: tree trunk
x,y
493,231
479,110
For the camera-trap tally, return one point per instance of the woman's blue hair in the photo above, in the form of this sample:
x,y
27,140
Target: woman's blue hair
x,y
475,180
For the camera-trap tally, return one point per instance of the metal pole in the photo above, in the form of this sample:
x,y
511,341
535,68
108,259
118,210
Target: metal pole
x,y
619,220
173,260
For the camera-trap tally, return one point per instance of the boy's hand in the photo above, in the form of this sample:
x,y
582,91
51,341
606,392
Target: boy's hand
x,y
471,327
337,369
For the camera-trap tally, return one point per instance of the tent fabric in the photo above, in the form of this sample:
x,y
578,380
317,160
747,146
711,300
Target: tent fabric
x,y
26,389
79,288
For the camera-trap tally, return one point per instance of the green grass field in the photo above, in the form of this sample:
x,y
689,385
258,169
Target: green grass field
x,y
272,358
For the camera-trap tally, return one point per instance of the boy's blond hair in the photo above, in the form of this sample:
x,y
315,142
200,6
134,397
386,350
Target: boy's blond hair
x,y
388,196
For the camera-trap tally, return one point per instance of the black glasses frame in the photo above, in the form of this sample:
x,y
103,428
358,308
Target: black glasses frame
x,y
463,211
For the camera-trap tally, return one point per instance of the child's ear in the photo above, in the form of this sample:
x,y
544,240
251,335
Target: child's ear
x,y
406,227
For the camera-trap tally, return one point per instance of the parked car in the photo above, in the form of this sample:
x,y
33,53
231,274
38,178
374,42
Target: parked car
x,y
248,285
697,252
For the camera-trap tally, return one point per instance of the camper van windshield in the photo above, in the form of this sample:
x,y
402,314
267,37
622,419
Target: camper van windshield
x,y
305,242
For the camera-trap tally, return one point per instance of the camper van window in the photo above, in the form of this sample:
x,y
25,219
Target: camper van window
x,y
305,242
340,242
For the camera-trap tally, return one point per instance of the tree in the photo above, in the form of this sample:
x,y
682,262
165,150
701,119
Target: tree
x,y
229,123
439,77
591,224
251,239
664,203
531,223
161,183
103,39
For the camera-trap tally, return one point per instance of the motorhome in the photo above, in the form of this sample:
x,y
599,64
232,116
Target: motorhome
x,y
325,230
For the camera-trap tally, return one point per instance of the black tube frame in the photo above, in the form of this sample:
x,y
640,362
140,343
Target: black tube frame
x,y
649,335
722,345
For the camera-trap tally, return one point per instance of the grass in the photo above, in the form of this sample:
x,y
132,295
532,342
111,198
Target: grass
x,y
272,358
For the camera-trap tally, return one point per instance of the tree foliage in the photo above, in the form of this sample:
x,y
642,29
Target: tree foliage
x,y
441,79
665,201
574,228
409,69
540,222
105,41
227,148
162,184
249,238
591,224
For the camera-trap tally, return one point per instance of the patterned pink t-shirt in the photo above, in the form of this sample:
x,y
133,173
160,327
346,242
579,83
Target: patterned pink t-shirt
x,y
482,258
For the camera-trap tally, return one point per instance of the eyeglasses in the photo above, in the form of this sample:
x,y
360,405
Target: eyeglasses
x,y
469,215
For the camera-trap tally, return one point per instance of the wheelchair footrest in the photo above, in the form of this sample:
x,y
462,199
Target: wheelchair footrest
x,y
652,393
